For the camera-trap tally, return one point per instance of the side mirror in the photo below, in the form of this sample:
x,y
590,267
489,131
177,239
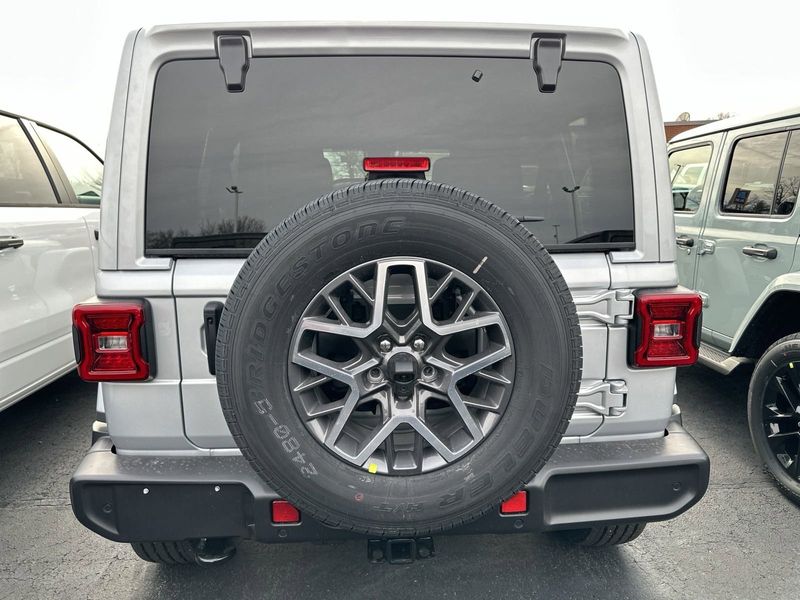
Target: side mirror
x,y
679,201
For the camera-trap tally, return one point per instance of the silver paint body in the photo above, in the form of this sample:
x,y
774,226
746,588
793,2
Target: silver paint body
x,y
179,412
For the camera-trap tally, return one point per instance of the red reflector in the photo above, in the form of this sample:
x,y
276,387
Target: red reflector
x,y
518,503
109,337
397,163
284,512
668,329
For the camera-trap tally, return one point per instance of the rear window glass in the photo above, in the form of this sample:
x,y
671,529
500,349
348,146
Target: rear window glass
x,y
225,168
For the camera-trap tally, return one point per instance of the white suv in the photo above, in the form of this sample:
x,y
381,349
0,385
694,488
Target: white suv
x,y
321,315
49,199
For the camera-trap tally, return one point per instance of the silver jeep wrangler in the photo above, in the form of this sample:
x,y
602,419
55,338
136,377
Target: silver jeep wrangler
x,y
384,281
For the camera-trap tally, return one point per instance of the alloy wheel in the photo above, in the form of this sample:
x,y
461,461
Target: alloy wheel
x,y
401,365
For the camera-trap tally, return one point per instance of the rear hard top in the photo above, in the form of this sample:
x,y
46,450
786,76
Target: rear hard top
x,y
203,171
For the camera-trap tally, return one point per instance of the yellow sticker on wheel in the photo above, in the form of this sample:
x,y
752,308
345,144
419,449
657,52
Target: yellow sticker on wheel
x,y
373,468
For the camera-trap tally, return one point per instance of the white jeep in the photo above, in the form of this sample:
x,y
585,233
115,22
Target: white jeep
x,y
385,281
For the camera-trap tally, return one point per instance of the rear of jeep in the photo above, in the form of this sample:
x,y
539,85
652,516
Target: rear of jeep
x,y
385,281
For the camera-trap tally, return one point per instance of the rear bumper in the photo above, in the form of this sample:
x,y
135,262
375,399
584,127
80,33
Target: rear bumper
x,y
147,498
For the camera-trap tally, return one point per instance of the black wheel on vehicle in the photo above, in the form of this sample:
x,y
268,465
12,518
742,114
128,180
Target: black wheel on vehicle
x,y
205,551
773,406
398,357
605,535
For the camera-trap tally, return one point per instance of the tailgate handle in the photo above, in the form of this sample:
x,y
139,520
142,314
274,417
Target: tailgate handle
x,y
547,54
211,315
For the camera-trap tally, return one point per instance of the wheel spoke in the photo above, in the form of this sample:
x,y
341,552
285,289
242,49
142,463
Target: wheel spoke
x,y
778,440
323,410
358,286
460,368
324,325
789,390
464,306
310,382
377,438
338,310
477,322
481,403
441,286
493,376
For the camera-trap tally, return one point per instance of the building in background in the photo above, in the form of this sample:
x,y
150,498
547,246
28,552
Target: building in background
x,y
673,128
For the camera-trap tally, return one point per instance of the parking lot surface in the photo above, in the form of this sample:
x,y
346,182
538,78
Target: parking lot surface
x,y
739,542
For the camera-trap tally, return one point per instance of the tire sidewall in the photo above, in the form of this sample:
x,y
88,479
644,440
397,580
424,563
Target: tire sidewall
x,y
777,356
281,279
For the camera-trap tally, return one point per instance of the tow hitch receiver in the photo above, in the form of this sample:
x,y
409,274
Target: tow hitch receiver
x,y
400,551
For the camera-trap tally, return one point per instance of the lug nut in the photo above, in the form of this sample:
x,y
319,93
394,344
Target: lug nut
x,y
418,344
428,373
375,375
385,345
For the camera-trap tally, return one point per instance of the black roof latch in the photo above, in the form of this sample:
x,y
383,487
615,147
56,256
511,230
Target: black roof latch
x,y
546,55
233,51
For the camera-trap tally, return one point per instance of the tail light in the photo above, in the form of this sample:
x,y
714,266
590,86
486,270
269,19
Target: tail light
x,y
111,341
397,163
666,329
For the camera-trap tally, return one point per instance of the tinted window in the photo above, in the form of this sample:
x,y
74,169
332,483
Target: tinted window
x,y
753,174
687,171
23,179
225,168
789,182
83,169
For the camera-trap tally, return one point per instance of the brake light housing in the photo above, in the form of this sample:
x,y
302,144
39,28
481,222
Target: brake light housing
x,y
666,328
112,341
380,164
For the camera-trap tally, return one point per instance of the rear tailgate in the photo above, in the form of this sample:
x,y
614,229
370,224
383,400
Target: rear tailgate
x,y
200,281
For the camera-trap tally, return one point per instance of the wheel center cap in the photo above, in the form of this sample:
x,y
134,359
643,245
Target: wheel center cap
x,y
402,372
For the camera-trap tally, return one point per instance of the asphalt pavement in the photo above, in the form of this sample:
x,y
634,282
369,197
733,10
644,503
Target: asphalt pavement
x,y
740,542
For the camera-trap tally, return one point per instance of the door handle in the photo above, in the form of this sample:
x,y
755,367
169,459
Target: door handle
x,y
760,251
684,241
10,241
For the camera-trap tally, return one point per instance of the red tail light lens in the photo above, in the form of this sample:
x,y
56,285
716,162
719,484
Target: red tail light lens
x,y
284,513
110,341
667,327
397,163
516,505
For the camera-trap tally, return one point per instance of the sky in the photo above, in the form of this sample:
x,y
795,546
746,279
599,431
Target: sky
x,y
59,59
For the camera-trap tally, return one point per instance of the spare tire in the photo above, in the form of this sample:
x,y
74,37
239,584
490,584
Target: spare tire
x,y
398,357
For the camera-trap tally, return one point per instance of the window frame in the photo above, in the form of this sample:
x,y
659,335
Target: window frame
x,y
59,192
709,176
69,193
729,162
